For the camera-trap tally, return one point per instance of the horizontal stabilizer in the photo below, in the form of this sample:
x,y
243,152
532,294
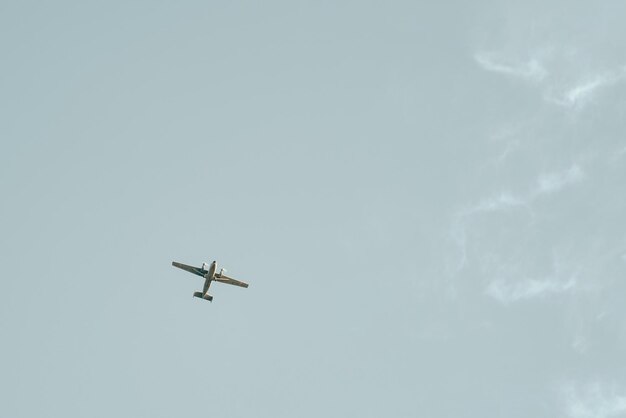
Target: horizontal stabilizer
x,y
201,296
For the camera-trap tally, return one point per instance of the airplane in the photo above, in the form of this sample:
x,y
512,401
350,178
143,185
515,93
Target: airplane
x,y
209,276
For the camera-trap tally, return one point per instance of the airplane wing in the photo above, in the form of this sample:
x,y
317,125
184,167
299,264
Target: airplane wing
x,y
229,280
190,269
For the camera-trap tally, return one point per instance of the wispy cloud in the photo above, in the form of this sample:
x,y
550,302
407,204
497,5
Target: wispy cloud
x,y
584,90
531,70
508,291
502,201
594,400
510,147
553,182
573,95
505,290
458,230
581,93
580,344
546,183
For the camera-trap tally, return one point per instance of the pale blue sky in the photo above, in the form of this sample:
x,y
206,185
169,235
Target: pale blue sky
x,y
426,198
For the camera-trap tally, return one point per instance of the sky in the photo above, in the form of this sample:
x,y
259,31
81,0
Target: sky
x,y
425,197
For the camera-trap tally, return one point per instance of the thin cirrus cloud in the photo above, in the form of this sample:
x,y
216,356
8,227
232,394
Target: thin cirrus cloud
x,y
553,182
594,400
508,291
513,286
545,184
572,96
531,70
578,94
502,201
458,232
581,93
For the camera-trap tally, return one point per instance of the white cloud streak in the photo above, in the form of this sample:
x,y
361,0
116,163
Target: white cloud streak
x,y
545,184
503,201
594,401
510,284
581,93
531,70
553,182
580,344
573,96
508,291
458,231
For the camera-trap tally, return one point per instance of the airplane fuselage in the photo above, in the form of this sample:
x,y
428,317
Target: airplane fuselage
x,y
209,276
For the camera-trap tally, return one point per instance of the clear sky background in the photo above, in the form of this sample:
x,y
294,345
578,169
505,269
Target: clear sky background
x,y
427,199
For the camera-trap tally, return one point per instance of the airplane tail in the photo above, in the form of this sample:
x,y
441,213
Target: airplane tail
x,y
201,296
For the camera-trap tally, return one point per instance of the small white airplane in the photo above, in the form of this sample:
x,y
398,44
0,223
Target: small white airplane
x,y
209,276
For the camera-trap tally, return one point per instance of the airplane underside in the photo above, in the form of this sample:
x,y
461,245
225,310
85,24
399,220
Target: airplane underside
x,y
208,272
